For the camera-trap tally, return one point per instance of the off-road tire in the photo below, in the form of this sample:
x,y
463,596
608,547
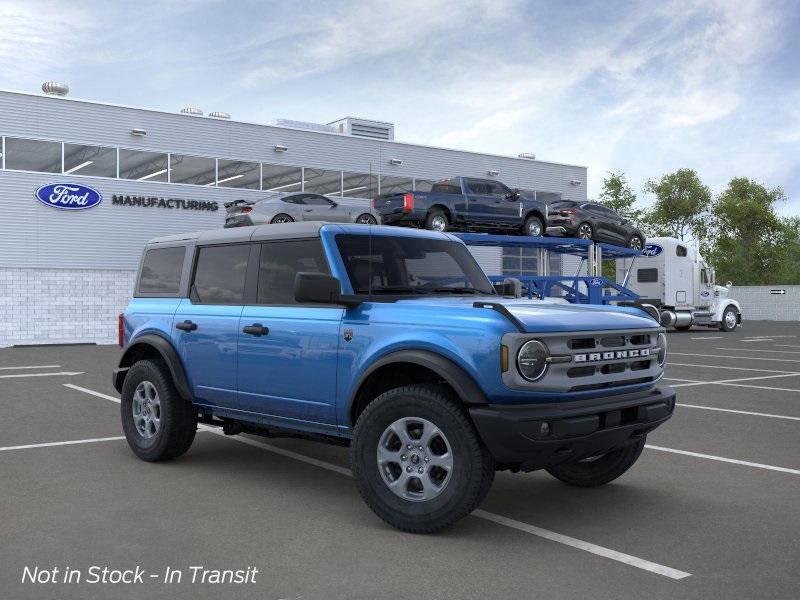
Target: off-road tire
x,y
531,222
723,326
178,417
606,468
433,215
473,466
282,218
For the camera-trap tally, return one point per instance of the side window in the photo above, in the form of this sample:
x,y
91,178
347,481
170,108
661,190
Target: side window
x,y
703,276
446,187
161,271
477,187
680,251
315,200
219,275
497,189
281,262
647,275
299,199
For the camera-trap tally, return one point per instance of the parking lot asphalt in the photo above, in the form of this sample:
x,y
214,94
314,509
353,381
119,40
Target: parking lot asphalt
x,y
710,510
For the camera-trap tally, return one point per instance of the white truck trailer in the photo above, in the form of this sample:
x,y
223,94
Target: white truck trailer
x,y
673,277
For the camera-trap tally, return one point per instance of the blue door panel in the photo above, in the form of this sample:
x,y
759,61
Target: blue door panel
x,y
209,352
290,371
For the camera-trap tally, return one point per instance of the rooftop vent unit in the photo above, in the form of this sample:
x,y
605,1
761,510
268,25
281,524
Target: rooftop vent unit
x,y
493,172
527,155
303,125
53,88
375,130
219,115
192,110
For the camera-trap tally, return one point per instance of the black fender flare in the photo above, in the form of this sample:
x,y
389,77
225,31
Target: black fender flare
x,y
457,378
535,212
167,352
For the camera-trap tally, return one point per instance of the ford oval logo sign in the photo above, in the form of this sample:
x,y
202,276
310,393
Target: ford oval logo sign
x,y
652,250
595,282
68,196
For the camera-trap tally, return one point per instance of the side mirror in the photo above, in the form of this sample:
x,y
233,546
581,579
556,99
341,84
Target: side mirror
x,y
514,195
729,284
320,288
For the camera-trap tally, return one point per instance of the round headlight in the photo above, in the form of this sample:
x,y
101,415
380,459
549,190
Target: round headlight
x,y
661,348
532,360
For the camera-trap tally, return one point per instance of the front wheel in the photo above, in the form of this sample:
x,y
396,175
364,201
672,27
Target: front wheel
x,y
366,219
601,469
158,423
533,227
729,319
417,460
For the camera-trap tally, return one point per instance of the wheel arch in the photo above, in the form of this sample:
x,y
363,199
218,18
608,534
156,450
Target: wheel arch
x,y
444,208
535,212
152,345
404,367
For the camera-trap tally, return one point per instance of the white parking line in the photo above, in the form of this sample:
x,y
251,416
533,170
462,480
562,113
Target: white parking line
x,y
64,373
756,340
31,367
67,443
723,459
787,346
92,392
581,545
740,412
707,337
731,368
633,561
690,383
747,358
760,350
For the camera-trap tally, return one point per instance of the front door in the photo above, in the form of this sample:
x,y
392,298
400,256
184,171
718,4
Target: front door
x,y
320,208
207,323
288,354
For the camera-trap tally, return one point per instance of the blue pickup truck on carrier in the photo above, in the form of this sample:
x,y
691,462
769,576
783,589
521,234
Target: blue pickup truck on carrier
x,y
391,341
465,203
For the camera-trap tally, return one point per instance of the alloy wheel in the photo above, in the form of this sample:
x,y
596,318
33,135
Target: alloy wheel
x,y
146,408
585,231
415,459
438,223
635,243
366,220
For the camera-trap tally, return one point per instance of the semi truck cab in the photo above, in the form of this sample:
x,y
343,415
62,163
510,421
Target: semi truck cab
x,y
673,276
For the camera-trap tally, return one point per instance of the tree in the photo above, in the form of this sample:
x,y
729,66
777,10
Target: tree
x,y
681,206
618,196
751,244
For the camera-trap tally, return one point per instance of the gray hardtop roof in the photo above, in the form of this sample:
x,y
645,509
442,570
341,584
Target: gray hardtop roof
x,y
287,231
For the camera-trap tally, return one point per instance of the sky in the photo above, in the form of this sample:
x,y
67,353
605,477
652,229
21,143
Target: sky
x,y
639,87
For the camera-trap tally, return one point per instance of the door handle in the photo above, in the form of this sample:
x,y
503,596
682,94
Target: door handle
x,y
186,326
255,329
307,209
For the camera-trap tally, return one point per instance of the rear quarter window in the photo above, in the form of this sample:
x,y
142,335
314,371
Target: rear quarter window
x,y
161,271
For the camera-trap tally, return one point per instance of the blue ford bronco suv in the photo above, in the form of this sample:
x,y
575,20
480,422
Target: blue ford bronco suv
x,y
393,342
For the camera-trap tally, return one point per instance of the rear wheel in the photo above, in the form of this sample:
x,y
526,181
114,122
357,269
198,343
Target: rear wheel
x,y
366,219
729,319
635,243
158,423
436,220
601,469
417,460
533,226
584,232
282,218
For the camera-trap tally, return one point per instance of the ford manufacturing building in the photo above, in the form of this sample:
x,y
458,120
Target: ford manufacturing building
x,y
66,274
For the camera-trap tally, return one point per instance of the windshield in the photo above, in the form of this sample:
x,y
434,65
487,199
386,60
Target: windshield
x,y
407,265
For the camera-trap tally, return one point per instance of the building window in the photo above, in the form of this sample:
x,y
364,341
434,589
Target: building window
x,y
423,185
520,261
359,185
143,166
195,170
396,185
90,160
238,174
279,178
321,181
33,155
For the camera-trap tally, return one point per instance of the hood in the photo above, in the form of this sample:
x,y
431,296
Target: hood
x,y
542,316
721,291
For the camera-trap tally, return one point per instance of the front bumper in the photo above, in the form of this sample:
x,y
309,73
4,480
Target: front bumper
x,y
517,435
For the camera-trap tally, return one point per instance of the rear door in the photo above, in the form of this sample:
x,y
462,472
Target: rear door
x,y
207,323
288,353
480,201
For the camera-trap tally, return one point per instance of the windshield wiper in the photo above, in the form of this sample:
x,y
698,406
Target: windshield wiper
x,y
457,290
390,290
